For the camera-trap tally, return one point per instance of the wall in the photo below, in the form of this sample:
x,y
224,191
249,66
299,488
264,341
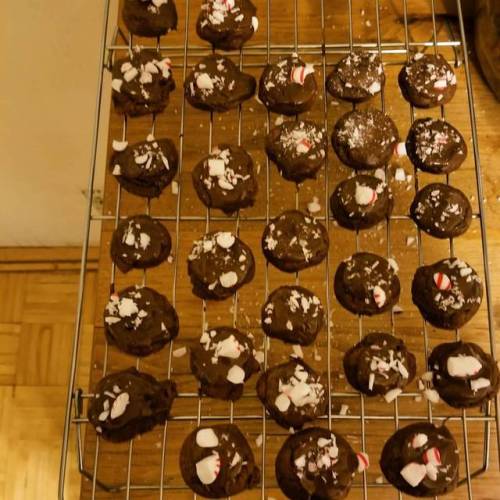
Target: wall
x,y
49,50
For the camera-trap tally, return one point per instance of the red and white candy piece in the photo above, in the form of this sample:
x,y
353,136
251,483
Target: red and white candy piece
x,y
229,279
419,440
379,296
236,375
392,394
229,4
463,366
206,438
440,84
299,73
479,383
225,239
216,167
365,195
304,145
442,281
120,145
400,149
414,473
203,81
282,402
229,348
432,472
255,23
432,456
208,469
363,461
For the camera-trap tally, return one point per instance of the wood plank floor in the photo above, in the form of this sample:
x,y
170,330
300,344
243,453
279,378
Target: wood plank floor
x,y
37,310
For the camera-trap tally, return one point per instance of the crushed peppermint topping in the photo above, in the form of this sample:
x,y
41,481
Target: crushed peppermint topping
x,y
463,366
301,389
206,438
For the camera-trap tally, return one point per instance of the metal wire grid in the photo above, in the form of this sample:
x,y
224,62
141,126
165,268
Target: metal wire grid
x,y
75,397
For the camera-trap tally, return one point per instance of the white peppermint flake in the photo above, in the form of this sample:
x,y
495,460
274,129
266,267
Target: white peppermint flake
x,y
206,438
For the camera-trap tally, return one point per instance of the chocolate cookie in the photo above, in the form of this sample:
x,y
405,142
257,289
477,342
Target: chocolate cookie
x,y
427,81
441,211
366,283
421,460
223,361
140,242
225,179
361,202
218,265
365,139
142,82
380,365
292,314
151,18
145,168
217,84
129,403
463,374
294,241
288,86
298,148
435,146
448,293
318,464
217,461
140,321
356,77
227,24
292,393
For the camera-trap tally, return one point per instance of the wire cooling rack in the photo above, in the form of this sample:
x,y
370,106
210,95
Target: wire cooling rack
x,y
147,467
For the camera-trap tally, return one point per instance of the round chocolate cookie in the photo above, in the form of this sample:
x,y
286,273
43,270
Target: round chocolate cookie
x,y
463,374
380,365
435,146
292,314
217,461
219,264
421,460
361,202
317,464
292,393
145,168
142,82
227,24
150,18
225,179
288,86
448,293
366,283
223,361
140,321
217,84
365,139
298,148
441,211
129,403
294,241
356,77
427,80
140,242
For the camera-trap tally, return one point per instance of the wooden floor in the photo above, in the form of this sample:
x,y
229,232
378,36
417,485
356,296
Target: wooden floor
x,y
38,294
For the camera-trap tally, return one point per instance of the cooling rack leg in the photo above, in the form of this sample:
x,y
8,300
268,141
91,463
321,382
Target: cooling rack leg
x,y
83,263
